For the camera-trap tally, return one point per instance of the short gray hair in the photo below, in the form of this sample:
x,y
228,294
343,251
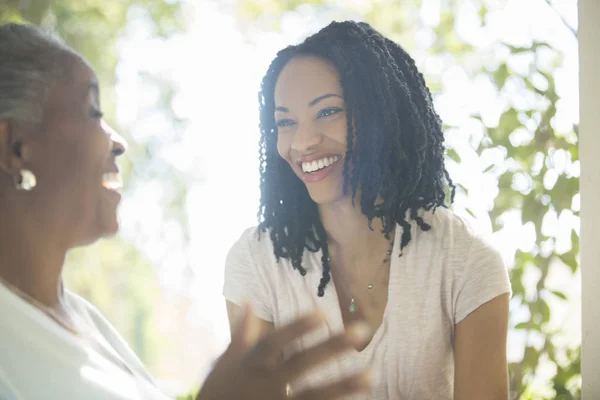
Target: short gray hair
x,y
31,61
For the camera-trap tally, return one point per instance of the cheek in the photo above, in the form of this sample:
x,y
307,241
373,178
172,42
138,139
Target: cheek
x,y
283,146
91,154
83,165
337,131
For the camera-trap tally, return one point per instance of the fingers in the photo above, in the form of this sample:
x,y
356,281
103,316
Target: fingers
x,y
299,363
355,384
269,350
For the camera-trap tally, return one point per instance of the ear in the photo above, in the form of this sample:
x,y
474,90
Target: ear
x,y
11,148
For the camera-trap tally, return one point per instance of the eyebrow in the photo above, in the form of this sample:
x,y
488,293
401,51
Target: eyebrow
x,y
312,102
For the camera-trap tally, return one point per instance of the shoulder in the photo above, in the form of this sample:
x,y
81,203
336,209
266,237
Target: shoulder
x,y
254,244
250,271
93,317
450,229
465,247
87,311
255,236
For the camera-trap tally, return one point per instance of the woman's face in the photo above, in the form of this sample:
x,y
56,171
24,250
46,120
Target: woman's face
x,y
74,159
310,116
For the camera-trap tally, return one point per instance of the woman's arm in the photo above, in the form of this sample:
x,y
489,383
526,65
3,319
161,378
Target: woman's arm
x,y
480,353
234,313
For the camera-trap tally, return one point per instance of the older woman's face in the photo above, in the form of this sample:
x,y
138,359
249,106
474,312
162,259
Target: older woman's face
x,y
74,159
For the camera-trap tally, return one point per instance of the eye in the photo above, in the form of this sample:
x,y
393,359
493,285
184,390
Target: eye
x,y
326,112
282,123
97,114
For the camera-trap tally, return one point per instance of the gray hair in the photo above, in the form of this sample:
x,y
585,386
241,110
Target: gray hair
x,y
31,61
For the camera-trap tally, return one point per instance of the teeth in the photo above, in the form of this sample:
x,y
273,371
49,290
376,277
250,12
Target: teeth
x,y
112,181
316,165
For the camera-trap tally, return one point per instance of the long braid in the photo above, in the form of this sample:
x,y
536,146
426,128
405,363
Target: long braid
x,y
395,144
324,259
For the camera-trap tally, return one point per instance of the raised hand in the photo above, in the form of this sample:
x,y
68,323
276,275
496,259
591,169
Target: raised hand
x,y
254,369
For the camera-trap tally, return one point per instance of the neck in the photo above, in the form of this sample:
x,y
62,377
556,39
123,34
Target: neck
x,y
30,260
348,229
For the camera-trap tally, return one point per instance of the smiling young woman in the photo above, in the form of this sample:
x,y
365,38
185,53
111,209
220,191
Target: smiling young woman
x,y
354,221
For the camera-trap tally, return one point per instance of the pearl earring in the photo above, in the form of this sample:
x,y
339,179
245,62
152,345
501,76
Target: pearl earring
x,y
25,180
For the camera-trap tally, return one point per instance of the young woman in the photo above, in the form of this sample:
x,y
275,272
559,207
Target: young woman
x,y
354,220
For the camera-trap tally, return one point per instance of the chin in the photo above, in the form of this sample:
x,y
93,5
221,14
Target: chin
x,y
324,197
86,241
327,191
110,228
103,230
99,232
107,221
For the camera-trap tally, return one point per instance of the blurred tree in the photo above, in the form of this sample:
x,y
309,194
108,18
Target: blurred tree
x,y
538,177
114,275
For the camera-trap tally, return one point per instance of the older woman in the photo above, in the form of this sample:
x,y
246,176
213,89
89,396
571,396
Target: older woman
x,y
58,190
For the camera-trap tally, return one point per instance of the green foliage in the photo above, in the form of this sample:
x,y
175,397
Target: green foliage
x,y
529,161
190,396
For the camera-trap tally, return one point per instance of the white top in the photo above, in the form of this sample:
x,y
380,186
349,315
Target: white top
x,y
39,359
445,274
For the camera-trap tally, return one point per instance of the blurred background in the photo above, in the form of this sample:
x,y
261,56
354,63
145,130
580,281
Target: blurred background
x,y
180,79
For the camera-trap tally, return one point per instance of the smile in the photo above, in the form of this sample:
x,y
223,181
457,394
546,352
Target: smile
x,y
112,181
316,165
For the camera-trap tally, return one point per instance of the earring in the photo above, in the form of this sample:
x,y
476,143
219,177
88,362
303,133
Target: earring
x,y
25,180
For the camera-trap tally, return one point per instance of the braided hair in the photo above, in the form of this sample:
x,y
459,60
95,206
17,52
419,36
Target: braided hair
x,y
395,144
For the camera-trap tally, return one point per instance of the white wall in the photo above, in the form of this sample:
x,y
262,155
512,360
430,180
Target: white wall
x,y
589,98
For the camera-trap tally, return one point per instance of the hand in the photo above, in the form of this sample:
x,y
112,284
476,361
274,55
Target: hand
x,y
251,369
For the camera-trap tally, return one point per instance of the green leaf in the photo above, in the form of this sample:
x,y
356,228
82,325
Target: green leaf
x,y
453,155
501,75
532,209
482,12
544,310
558,294
509,122
522,325
531,357
569,260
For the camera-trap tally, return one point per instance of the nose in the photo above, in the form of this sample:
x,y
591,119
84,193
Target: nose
x,y
306,138
118,143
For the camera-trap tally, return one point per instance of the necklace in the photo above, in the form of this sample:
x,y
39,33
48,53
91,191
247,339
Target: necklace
x,y
353,307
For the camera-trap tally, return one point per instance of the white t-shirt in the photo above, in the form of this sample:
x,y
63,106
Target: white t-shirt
x,y
39,359
444,274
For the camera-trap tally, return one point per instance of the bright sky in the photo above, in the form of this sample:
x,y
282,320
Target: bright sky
x,y
217,77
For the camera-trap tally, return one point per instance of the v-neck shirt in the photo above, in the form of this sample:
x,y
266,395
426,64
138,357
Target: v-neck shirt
x,y
443,275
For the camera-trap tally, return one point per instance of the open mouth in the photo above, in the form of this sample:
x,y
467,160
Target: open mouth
x,y
112,181
310,167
